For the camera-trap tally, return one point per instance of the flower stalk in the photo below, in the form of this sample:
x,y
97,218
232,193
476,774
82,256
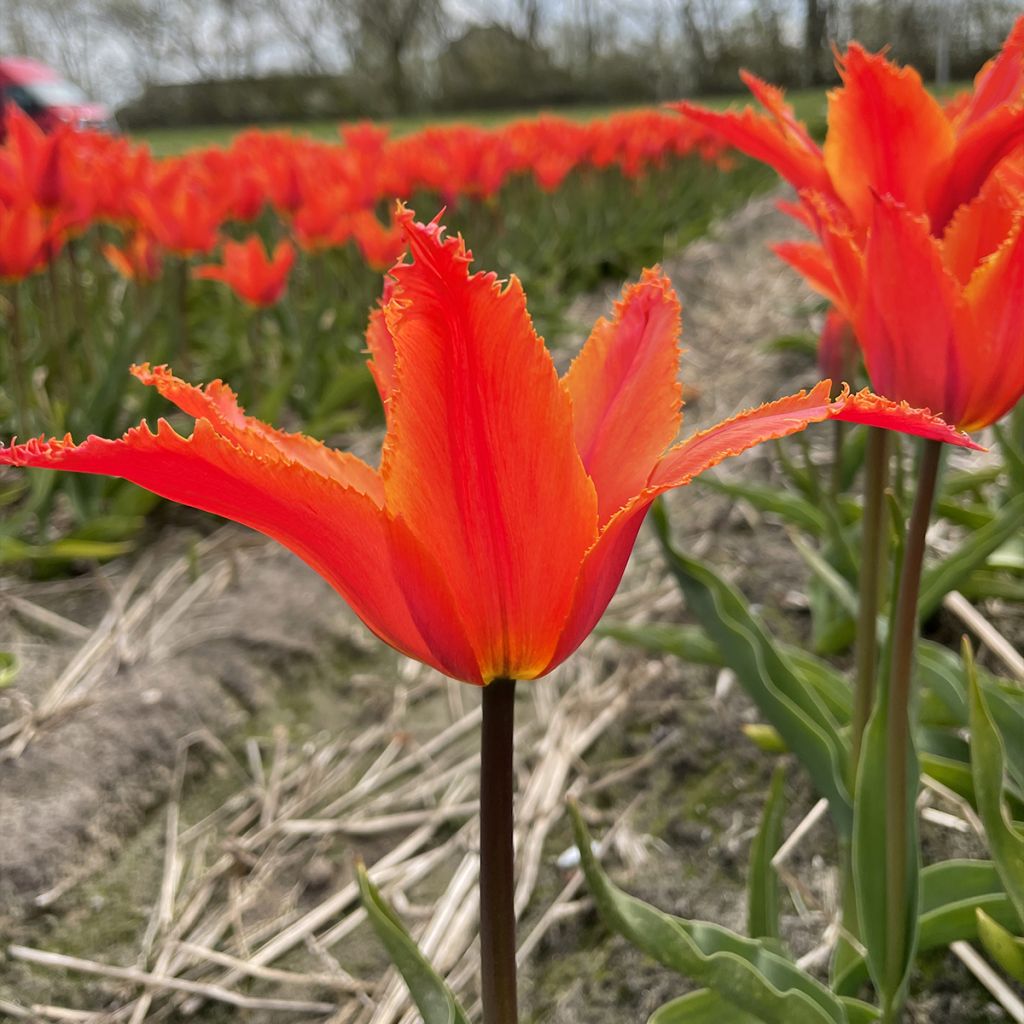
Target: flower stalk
x,y
497,891
18,369
873,561
904,633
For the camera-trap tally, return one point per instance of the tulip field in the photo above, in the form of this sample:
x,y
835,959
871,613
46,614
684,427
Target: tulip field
x,y
620,606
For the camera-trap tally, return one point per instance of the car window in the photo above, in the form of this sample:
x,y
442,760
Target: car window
x,y
56,94
20,96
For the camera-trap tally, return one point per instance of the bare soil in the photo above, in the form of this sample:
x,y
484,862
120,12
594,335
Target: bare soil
x,y
179,720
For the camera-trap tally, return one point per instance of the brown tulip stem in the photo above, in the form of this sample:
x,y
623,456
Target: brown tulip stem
x,y
904,632
497,892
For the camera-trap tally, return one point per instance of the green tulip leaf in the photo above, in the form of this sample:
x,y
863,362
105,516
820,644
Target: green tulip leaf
x,y
1001,945
972,554
763,883
785,504
702,1007
988,760
432,997
747,973
889,956
951,894
689,643
692,644
784,698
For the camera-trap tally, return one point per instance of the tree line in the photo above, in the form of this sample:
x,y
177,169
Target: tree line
x,y
396,56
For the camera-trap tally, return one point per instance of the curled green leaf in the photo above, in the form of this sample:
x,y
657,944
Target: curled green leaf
x,y
432,997
988,761
746,973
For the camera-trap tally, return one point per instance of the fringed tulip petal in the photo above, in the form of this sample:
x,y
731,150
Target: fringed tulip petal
x,y
872,410
798,211
218,404
625,395
381,347
912,315
787,416
765,139
811,260
772,420
479,459
605,562
844,255
337,530
773,99
979,228
979,149
995,297
885,133
1001,79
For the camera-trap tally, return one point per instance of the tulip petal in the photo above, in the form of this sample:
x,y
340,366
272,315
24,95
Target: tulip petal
x,y
773,99
912,317
886,133
979,149
605,562
765,139
218,404
871,410
1001,79
773,420
337,530
995,297
798,211
599,576
381,347
811,261
787,416
479,459
979,228
625,392
841,252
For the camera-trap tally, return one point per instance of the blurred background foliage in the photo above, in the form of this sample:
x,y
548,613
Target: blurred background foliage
x,y
197,62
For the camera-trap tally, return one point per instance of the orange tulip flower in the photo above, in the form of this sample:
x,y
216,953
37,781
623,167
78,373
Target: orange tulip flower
x,y
940,321
258,279
508,500
29,238
887,135
181,207
139,260
918,213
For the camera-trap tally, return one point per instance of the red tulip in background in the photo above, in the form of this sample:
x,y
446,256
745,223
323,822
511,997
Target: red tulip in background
x,y
258,279
140,259
508,500
182,204
28,238
919,213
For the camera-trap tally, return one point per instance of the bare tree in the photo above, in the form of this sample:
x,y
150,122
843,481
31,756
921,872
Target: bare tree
x,y
387,30
530,15
323,31
816,13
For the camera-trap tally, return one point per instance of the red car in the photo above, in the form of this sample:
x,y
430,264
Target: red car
x,y
47,98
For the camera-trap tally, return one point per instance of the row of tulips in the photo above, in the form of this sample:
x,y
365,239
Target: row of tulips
x,y
105,251
495,532
54,186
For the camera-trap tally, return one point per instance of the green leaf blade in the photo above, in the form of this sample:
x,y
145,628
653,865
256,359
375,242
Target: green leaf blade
x,y
432,997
